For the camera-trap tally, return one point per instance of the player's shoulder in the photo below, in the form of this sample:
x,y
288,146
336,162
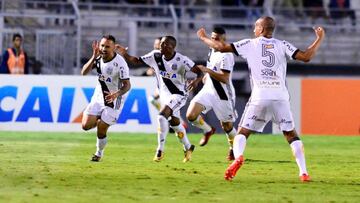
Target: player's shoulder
x,y
242,43
119,58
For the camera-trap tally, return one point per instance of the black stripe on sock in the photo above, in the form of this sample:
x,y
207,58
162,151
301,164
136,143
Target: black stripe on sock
x,y
293,140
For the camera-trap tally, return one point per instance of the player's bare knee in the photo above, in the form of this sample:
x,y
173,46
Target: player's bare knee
x,y
86,127
101,135
244,131
227,127
191,116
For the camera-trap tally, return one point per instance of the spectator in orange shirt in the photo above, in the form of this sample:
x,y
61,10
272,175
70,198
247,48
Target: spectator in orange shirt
x,y
15,60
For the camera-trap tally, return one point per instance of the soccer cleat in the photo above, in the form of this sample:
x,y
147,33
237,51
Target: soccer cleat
x,y
158,156
230,156
305,178
204,140
187,153
95,158
233,168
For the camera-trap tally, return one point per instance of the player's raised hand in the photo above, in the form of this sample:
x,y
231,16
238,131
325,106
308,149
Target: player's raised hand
x,y
95,48
120,49
320,32
201,33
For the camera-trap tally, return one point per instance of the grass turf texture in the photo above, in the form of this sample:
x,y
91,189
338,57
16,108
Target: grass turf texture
x,y
55,167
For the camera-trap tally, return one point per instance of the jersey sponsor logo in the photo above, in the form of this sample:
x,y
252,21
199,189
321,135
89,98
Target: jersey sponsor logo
x,y
269,84
177,58
40,104
269,46
104,78
285,121
243,43
146,57
167,74
255,118
289,47
268,72
115,64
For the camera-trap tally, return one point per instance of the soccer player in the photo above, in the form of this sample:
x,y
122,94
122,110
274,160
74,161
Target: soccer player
x,y
266,57
170,69
155,99
217,93
108,97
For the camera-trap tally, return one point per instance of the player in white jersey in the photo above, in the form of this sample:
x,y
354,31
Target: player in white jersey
x,y
108,97
266,57
155,98
217,93
170,69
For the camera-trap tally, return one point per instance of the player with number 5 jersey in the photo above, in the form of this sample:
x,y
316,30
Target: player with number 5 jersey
x,y
267,59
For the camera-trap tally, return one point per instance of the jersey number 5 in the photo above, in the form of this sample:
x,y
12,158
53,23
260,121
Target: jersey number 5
x,y
265,53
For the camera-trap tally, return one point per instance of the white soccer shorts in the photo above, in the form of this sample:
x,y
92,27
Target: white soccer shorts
x,y
107,114
258,113
224,109
174,101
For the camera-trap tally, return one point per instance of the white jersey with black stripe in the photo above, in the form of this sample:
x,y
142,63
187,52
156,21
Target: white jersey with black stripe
x,y
217,62
110,75
172,78
267,61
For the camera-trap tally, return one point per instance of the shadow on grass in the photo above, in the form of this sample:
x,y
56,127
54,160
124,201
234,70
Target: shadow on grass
x,y
265,161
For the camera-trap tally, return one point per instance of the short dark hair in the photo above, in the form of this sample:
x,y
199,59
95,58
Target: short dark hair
x,y
109,37
219,30
172,39
16,35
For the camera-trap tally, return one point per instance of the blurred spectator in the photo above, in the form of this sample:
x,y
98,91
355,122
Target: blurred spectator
x,y
293,8
340,9
315,9
254,10
15,60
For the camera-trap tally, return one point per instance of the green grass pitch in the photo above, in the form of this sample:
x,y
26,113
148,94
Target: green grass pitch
x,y
55,167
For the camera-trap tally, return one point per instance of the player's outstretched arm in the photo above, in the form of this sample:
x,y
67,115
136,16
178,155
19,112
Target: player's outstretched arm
x,y
123,52
310,52
90,64
217,45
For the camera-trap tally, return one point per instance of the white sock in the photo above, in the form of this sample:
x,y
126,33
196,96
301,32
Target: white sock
x,y
181,134
239,145
298,152
230,136
163,128
100,145
200,123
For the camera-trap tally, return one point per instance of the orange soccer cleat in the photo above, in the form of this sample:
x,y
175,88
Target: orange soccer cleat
x,y
233,168
305,178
